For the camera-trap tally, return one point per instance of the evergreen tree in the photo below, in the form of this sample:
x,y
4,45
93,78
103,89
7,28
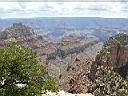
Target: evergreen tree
x,y
21,74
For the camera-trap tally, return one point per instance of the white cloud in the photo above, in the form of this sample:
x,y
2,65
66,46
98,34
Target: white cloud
x,y
63,9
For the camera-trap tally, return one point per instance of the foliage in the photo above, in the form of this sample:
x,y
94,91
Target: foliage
x,y
50,84
21,74
107,83
103,80
120,38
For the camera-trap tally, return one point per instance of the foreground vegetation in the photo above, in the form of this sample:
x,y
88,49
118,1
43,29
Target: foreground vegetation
x,y
107,83
21,74
108,76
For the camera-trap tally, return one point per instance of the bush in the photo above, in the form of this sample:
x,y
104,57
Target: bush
x,y
21,74
108,83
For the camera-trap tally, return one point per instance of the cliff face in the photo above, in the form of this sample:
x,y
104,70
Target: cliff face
x,y
17,30
114,54
67,60
24,35
75,44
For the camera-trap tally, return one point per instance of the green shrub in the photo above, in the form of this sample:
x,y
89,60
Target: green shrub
x,y
108,83
19,66
50,84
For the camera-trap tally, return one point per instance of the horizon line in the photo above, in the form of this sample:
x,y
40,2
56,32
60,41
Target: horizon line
x,y
63,17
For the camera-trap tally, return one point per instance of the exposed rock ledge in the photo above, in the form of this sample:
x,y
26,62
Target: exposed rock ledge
x,y
62,93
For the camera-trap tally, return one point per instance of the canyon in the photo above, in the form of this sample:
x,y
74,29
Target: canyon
x,y
72,56
67,59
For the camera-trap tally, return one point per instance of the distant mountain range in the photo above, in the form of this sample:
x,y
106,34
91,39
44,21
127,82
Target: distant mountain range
x,y
53,27
76,22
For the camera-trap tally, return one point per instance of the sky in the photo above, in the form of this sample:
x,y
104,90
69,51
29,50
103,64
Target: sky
x,y
63,9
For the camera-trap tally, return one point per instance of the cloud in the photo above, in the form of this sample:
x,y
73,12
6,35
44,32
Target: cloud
x,y
63,9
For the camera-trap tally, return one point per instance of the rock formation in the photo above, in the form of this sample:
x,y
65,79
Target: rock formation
x,y
114,54
67,60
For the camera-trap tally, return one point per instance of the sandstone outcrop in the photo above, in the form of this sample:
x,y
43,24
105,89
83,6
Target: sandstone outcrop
x,y
114,54
67,60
